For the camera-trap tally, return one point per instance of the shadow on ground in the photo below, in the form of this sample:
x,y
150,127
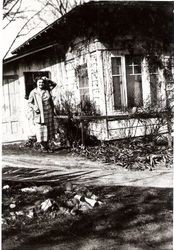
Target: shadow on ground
x,y
130,218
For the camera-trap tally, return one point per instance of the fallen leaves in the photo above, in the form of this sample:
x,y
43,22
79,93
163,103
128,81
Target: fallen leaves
x,y
133,155
66,200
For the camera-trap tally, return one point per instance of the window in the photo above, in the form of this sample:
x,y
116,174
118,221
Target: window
x,y
134,81
83,82
127,81
30,80
117,80
153,84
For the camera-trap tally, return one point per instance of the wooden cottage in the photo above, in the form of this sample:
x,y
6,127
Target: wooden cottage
x,y
102,51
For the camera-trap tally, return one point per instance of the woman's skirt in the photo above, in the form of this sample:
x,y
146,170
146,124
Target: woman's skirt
x,y
45,131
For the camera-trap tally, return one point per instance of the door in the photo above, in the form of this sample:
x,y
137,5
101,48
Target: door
x,y
30,77
10,109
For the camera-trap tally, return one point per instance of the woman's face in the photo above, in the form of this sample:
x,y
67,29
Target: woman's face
x,y
40,83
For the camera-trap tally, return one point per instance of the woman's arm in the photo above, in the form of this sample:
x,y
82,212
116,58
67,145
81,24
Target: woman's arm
x,y
31,102
49,84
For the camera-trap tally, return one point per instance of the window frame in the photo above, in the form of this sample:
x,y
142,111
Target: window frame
x,y
133,74
36,74
81,67
145,81
123,87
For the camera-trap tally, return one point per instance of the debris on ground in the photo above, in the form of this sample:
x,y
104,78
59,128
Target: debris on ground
x,y
5,187
12,206
135,154
21,205
30,214
46,205
131,153
42,189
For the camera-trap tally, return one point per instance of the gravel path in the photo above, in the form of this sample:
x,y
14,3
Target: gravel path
x,y
56,167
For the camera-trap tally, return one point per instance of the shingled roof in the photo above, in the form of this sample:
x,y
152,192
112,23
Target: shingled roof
x,y
107,19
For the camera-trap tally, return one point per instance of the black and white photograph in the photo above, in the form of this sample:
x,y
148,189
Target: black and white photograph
x,y
87,125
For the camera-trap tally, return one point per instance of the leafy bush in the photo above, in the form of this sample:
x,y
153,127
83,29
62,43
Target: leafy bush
x,y
70,127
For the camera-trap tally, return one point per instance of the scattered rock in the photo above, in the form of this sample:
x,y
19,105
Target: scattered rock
x,y
89,194
84,206
79,197
75,201
53,214
29,189
62,200
6,187
91,202
42,189
19,213
13,216
46,205
3,221
70,204
69,187
12,205
73,211
64,210
30,214
94,197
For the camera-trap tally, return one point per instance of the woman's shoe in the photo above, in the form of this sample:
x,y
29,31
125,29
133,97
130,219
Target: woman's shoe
x,y
49,150
43,150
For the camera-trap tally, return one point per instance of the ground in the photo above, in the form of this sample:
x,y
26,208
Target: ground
x,y
135,210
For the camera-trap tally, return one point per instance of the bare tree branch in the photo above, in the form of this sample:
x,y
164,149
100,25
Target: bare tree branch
x,y
56,7
25,24
14,14
7,2
61,7
12,7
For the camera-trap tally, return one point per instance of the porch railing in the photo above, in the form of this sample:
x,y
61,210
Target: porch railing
x,y
83,118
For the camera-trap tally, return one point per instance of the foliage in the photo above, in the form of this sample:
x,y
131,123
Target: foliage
x,y
70,127
134,154
61,7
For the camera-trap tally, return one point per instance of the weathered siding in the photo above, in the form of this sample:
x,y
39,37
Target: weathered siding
x,y
16,91
83,52
63,72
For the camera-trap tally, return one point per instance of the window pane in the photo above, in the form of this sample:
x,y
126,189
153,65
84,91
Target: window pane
x,y
136,60
129,60
133,64
134,84
83,82
116,70
84,94
152,68
116,65
153,88
117,92
129,70
137,69
134,91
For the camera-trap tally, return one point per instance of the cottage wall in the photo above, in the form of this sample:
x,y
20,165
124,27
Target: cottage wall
x,y
22,130
63,72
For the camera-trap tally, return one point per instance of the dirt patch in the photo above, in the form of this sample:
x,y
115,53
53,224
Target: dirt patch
x,y
129,218
135,154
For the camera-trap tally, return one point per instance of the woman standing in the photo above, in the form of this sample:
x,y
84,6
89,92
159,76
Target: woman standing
x,y
41,102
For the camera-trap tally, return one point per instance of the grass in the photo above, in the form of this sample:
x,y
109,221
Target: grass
x,y
130,218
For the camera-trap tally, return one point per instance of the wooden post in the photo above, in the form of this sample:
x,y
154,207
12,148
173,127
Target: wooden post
x,y
82,132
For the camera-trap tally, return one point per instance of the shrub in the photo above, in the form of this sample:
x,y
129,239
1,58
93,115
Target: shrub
x,y
70,128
